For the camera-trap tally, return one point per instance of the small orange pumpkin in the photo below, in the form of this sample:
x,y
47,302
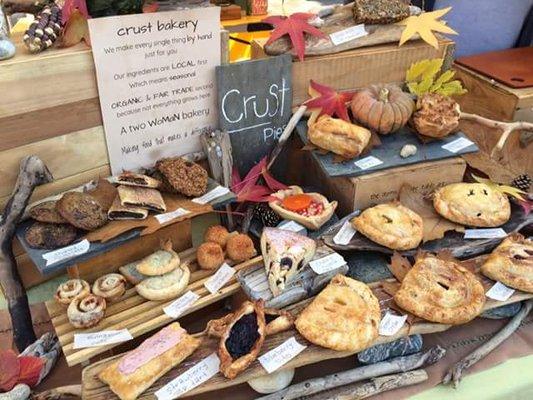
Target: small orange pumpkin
x,y
382,108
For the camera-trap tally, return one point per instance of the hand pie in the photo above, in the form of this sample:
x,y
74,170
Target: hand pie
x,y
441,290
132,179
472,204
135,196
165,287
129,376
242,339
339,136
161,262
511,263
391,225
119,212
345,316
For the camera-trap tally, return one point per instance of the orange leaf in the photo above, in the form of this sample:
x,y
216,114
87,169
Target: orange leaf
x,y
9,370
151,7
30,370
76,30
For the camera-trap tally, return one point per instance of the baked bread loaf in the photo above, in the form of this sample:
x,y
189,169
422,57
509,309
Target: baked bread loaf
x,y
110,286
240,247
511,263
472,204
441,291
43,235
338,136
210,255
47,212
183,176
391,225
345,316
82,210
70,290
86,312
165,287
161,262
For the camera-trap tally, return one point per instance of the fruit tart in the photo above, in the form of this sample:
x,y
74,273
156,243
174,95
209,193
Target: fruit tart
x,y
311,210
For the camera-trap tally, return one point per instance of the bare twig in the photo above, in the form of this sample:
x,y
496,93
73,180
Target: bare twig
x,y
60,393
456,372
399,364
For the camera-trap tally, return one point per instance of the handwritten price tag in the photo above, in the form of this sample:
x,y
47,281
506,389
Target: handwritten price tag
x,y
178,307
327,263
217,192
164,218
96,339
219,279
292,226
281,355
67,252
457,145
195,376
491,233
391,324
348,34
368,162
345,234
500,292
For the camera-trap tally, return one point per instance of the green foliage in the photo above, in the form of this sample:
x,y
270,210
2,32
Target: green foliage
x,y
423,77
104,8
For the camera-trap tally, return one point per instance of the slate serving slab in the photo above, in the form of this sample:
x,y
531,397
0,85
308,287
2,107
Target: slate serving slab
x,y
388,152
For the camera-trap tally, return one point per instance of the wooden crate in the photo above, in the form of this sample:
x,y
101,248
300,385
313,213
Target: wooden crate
x,y
137,314
360,67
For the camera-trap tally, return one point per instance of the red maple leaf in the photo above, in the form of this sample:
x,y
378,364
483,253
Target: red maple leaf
x,y
329,101
526,206
295,25
247,189
9,370
30,370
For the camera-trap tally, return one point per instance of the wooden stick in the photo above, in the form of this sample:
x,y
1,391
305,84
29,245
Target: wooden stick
x,y
63,392
456,372
398,364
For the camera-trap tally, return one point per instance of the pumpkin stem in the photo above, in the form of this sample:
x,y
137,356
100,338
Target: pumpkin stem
x,y
384,94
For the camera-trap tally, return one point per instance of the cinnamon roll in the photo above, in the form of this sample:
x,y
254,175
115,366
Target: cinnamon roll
x,y
71,289
111,287
86,312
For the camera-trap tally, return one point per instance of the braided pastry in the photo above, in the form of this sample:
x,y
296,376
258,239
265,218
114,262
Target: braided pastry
x,y
71,289
86,312
111,287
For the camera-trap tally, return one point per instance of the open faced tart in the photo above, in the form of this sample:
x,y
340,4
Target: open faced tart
x,y
441,290
242,339
472,204
391,225
70,290
86,312
110,286
511,263
165,287
311,210
161,262
345,316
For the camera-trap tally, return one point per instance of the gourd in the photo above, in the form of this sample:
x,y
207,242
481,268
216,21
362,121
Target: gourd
x,y
382,108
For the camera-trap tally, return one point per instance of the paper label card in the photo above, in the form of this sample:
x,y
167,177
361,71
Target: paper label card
x,y
489,233
217,192
345,234
180,305
500,292
328,263
103,338
281,355
292,226
368,162
156,82
391,324
348,34
457,145
67,252
193,377
164,218
219,279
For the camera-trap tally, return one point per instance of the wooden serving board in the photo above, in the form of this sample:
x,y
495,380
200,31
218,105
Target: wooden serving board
x,y
137,314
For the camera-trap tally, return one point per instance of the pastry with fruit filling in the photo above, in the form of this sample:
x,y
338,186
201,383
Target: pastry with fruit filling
x,y
311,210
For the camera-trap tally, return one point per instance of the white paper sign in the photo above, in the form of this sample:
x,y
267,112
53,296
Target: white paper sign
x,y
281,355
368,162
164,218
490,233
95,339
217,192
345,234
292,226
328,263
156,82
219,279
457,145
195,376
348,34
391,324
180,305
500,292
67,252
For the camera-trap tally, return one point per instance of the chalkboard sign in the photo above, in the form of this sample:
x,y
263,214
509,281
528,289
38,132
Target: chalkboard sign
x,y
254,105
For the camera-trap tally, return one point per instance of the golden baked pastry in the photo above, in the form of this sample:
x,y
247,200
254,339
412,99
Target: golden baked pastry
x,y
240,247
441,291
210,255
338,136
129,178
129,376
217,234
71,289
161,262
165,287
391,225
110,286
345,316
86,312
311,210
511,263
142,197
472,204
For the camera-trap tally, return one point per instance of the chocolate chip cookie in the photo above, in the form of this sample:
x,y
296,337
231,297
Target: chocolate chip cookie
x,y
42,235
47,212
82,210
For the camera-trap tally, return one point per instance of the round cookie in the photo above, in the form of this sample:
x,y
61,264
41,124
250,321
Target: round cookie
x,y
47,212
240,247
391,225
210,255
217,234
42,235
82,210
472,204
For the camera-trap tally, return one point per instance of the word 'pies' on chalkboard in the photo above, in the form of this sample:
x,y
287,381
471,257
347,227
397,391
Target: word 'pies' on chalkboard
x,y
254,104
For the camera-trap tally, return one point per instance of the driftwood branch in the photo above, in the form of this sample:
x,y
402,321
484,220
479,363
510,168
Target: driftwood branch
x,y
506,127
60,393
399,364
456,372
32,173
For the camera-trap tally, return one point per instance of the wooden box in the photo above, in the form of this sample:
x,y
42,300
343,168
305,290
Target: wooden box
x,y
360,67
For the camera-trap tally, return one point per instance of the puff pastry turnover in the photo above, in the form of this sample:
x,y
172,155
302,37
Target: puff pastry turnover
x,y
345,316
441,291
511,263
472,204
391,225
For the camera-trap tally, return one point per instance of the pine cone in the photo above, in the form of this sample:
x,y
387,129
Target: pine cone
x,y
522,182
44,31
266,215
436,116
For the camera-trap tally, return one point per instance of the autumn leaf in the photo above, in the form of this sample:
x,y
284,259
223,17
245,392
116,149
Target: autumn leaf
x,y
76,30
248,189
526,206
329,101
30,370
150,7
70,6
399,266
504,189
423,77
9,370
424,24
295,25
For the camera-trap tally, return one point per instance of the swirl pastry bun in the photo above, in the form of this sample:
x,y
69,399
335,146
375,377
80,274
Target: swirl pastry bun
x,y
86,312
111,287
70,290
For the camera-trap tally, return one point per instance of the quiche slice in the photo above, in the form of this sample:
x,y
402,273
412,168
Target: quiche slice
x,y
285,253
